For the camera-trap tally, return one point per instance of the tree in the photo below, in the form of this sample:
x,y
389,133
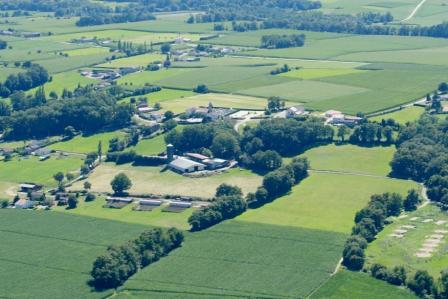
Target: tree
x,y
422,283
397,276
169,125
266,161
228,190
201,88
59,177
379,271
72,201
69,132
120,183
412,200
169,115
87,185
342,131
225,145
388,134
70,176
443,87
90,197
165,48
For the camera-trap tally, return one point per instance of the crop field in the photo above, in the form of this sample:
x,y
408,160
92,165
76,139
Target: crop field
x,y
155,217
403,116
86,51
134,61
59,63
34,171
52,253
218,100
6,71
67,80
412,249
242,260
151,180
141,78
153,146
351,159
86,144
358,285
309,74
161,96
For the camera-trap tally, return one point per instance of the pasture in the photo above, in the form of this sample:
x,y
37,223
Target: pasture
x,y
243,260
403,116
66,80
155,217
152,146
413,250
147,77
52,253
134,61
86,144
34,171
358,285
162,96
148,180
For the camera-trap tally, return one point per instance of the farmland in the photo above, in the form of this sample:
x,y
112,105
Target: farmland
x,y
402,116
57,248
86,144
148,180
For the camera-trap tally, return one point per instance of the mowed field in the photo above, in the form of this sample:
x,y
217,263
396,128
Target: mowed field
x,y
52,253
148,180
285,249
358,285
392,251
403,116
86,144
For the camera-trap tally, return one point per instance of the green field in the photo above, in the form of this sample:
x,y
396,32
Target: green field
x,y
162,96
52,253
134,61
392,251
153,146
152,180
86,144
358,285
309,74
34,171
67,80
155,217
242,260
403,116
87,51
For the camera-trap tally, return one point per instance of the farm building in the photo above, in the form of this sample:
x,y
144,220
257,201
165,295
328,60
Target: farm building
x,y
215,163
24,204
295,111
345,120
148,204
31,34
177,206
184,165
26,187
196,157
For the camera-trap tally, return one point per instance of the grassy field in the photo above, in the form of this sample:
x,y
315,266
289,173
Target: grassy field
x,y
87,51
34,171
309,74
358,285
352,159
409,114
392,251
86,144
242,260
162,96
67,80
152,180
153,146
52,253
143,78
134,61
155,217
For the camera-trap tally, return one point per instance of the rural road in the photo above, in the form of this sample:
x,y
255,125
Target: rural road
x,y
414,11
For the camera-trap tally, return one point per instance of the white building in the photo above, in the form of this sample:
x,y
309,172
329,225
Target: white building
x,y
184,165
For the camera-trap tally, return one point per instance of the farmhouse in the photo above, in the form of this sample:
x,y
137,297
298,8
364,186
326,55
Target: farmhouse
x,y
26,187
31,34
295,111
184,165
177,206
345,120
24,204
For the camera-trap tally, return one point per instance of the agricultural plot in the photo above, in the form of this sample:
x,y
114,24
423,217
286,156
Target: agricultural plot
x,y
59,64
86,144
153,146
66,80
147,77
86,51
326,201
418,242
403,116
161,96
243,260
134,61
156,217
35,171
310,74
52,253
6,71
358,285
148,180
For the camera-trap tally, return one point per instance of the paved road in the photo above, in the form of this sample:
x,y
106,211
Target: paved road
x,y
414,11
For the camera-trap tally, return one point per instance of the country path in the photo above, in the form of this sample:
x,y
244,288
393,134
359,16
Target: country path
x,y
414,11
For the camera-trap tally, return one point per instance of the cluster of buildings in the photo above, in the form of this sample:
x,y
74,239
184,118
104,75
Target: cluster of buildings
x,y
109,74
192,162
335,117
10,32
193,54
197,115
147,204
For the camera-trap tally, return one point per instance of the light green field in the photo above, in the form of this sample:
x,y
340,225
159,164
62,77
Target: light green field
x,y
84,145
67,80
153,146
59,64
8,190
391,251
352,159
151,180
217,99
162,96
409,114
326,201
358,285
135,61
56,248
6,71
309,74
155,217
87,51
149,77
34,171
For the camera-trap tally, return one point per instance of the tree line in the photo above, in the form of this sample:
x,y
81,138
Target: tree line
x,y
34,76
279,41
113,268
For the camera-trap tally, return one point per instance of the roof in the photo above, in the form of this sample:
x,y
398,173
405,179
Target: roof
x,y
129,200
27,186
180,204
332,112
150,202
23,202
197,156
184,163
